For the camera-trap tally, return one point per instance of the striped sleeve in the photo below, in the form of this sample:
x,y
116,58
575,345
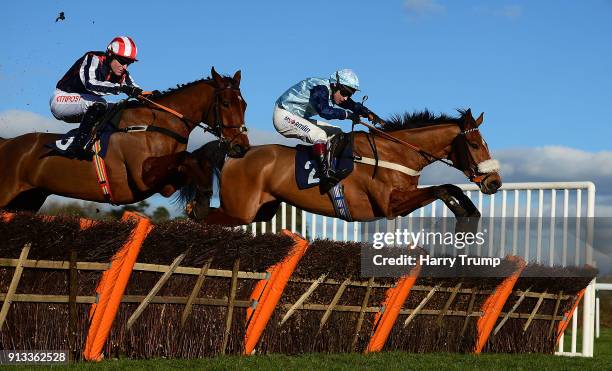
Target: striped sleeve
x,y
90,80
129,80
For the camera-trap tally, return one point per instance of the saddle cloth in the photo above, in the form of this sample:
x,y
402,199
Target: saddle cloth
x,y
107,126
306,165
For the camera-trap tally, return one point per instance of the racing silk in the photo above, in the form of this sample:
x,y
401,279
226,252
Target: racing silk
x,y
92,74
311,97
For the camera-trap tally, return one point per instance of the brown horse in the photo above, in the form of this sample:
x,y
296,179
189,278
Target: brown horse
x,y
139,164
252,187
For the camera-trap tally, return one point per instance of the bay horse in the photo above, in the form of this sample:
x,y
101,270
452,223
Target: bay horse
x,y
251,188
139,164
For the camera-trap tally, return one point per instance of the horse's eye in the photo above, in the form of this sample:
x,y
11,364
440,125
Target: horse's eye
x,y
226,103
473,145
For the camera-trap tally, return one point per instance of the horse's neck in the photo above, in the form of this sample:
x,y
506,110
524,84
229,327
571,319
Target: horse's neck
x,y
191,101
436,140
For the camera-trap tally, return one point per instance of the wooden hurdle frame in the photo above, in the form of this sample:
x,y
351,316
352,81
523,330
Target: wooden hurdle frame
x,y
266,294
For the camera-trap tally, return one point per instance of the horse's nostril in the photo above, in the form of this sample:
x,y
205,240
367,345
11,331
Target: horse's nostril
x,y
495,184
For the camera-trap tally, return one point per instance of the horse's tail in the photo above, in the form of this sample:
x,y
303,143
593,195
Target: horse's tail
x,y
209,160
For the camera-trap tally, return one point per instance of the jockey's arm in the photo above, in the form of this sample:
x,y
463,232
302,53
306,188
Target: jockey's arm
x,y
91,81
355,107
319,99
129,80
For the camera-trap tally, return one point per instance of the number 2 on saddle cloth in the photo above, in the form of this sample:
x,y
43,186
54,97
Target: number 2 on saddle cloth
x,y
306,171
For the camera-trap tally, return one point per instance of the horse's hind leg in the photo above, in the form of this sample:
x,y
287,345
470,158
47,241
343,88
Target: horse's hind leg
x,y
30,200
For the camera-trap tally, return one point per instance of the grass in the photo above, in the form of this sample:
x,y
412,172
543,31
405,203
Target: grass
x,y
379,361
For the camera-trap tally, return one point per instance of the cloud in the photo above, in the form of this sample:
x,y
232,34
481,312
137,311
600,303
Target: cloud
x,y
506,11
511,11
540,164
15,122
543,164
421,8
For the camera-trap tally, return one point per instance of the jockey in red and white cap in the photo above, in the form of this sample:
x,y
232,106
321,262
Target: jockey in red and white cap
x,y
78,95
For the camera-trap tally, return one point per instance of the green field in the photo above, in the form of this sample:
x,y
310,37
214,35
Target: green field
x,y
385,360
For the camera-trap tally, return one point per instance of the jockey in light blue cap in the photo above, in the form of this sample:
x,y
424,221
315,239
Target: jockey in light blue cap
x,y
326,98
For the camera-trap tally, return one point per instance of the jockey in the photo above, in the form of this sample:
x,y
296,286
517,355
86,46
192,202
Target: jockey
x,y
78,95
294,110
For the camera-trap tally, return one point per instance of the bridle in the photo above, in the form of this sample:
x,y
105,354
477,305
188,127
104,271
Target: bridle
x,y
474,175
218,125
216,129
467,158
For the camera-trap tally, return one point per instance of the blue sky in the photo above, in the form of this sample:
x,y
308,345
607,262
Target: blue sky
x,y
540,70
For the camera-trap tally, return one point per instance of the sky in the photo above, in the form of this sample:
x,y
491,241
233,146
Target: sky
x,y
541,71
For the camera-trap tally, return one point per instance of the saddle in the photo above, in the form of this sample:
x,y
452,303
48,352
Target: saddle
x,y
106,126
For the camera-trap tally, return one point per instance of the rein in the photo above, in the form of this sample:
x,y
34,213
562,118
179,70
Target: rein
x,y
418,150
473,177
215,130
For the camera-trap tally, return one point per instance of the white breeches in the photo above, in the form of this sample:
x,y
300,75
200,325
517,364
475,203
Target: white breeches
x,y
309,130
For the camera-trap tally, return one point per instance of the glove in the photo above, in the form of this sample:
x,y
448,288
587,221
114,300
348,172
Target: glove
x,y
352,116
375,119
131,90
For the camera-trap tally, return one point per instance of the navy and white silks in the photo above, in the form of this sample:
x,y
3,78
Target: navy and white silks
x,y
294,109
89,78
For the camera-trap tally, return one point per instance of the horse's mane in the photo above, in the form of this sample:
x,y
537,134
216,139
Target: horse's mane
x,y
160,94
421,119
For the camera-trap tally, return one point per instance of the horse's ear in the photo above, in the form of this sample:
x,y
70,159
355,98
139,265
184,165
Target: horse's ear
x,y
218,79
468,114
480,119
237,77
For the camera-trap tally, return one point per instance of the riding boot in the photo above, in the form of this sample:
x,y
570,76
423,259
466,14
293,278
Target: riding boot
x,y
83,140
320,151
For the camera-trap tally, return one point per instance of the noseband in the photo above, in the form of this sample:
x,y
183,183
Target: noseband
x,y
478,172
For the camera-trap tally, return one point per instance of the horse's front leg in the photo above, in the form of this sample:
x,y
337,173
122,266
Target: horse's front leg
x,y
403,202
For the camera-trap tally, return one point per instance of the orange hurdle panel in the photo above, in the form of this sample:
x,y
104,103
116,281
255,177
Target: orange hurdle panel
x,y
568,315
111,288
267,292
494,304
394,300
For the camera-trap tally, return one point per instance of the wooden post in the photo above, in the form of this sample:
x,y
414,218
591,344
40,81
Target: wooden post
x,y
364,305
158,285
534,311
14,283
421,305
303,298
552,321
230,305
195,292
333,303
514,307
72,317
469,311
450,300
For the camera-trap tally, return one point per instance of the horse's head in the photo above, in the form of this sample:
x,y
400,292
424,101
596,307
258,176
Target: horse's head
x,y
227,114
470,154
